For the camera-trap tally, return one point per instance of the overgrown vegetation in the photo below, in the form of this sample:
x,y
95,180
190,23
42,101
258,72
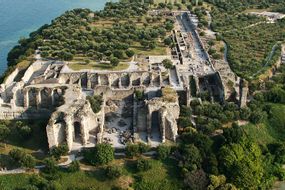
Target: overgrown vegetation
x,y
96,103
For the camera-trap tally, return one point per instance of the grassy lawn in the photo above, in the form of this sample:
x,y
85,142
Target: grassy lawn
x,y
11,182
98,66
160,49
94,180
162,175
271,130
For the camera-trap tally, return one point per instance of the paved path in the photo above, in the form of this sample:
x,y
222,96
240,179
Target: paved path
x,y
15,171
70,158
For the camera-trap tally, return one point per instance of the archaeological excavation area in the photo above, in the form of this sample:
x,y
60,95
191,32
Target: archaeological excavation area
x,y
136,104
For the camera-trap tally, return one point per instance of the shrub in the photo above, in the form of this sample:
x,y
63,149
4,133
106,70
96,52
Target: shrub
x,y
143,147
143,164
163,151
28,161
130,53
4,132
139,95
100,154
114,61
167,64
113,172
167,41
17,154
96,102
59,151
22,158
132,150
50,166
257,116
38,181
74,166
25,131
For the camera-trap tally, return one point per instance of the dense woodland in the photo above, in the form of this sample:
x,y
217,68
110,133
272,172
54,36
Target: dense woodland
x,y
227,148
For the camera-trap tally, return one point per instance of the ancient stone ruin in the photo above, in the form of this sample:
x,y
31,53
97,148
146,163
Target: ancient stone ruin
x,y
50,89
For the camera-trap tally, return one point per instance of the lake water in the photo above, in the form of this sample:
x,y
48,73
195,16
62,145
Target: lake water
x,y
20,17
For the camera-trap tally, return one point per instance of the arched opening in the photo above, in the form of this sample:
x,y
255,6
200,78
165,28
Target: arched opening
x,y
155,127
146,81
84,80
45,98
125,80
104,80
32,98
77,132
115,83
136,82
57,98
19,98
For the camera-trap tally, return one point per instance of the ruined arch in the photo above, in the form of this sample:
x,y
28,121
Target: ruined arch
x,y
125,80
155,131
77,136
146,79
32,97
45,98
19,98
136,80
104,80
57,96
83,80
115,81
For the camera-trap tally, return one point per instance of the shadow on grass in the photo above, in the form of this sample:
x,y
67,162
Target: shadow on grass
x,y
99,174
37,140
130,166
173,170
7,162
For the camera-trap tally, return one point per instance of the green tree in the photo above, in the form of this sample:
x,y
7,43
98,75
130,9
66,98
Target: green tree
x,y
25,131
242,164
4,132
143,164
167,41
96,103
191,157
132,150
59,151
257,116
143,148
50,166
99,155
167,63
163,151
28,161
130,53
245,113
17,154
233,134
113,172
114,61
74,166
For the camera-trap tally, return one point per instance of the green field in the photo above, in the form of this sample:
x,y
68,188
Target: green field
x,y
160,176
271,130
98,66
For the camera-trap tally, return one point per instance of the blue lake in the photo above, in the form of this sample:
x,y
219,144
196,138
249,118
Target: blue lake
x,y
20,17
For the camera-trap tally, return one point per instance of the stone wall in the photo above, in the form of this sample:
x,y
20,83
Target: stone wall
x,y
168,114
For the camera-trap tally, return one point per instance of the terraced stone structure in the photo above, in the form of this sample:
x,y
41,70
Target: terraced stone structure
x,y
139,104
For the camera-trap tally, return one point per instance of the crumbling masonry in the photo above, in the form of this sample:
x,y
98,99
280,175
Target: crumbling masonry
x,y
50,89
